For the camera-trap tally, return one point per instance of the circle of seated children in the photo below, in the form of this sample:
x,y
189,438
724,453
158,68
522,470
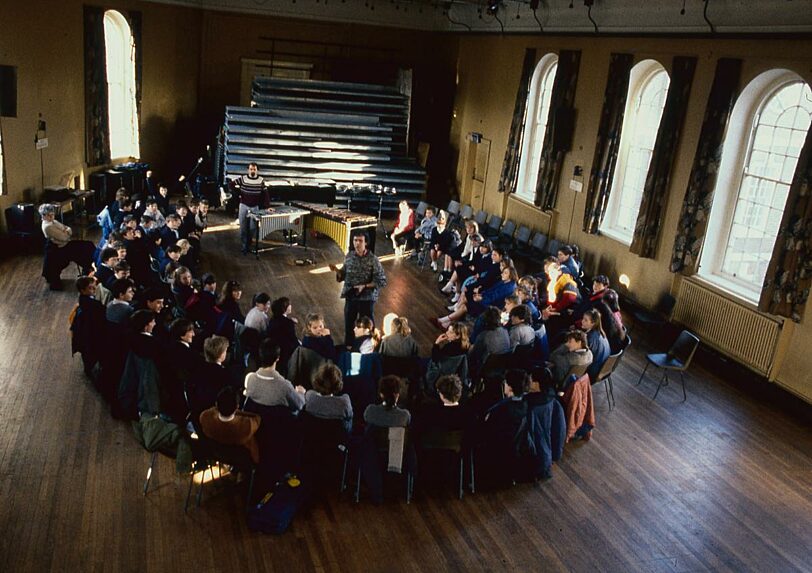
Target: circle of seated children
x,y
245,356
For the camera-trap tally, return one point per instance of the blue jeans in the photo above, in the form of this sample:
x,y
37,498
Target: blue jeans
x,y
247,226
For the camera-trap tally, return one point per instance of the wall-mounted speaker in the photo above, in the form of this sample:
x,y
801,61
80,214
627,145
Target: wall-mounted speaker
x,y
8,91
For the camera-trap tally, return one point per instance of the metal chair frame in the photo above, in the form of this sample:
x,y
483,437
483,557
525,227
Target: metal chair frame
x,y
685,337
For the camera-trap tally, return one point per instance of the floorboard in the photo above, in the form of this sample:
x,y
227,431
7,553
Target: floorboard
x,y
722,482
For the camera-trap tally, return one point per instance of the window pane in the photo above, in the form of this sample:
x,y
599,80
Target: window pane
x,y
768,172
120,64
644,113
535,129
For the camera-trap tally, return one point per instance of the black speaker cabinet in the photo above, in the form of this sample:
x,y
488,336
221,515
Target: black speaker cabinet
x,y
8,91
21,219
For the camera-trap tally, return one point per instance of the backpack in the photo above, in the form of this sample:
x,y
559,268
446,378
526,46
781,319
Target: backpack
x,y
275,511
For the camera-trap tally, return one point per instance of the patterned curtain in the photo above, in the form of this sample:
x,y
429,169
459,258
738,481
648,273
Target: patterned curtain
x,y
97,124
608,141
562,98
696,207
655,191
789,275
510,168
3,174
135,28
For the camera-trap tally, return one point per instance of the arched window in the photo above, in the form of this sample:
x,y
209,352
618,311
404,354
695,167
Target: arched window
x,y
648,88
120,57
538,111
767,131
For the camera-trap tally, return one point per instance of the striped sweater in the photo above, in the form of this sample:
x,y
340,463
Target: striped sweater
x,y
252,191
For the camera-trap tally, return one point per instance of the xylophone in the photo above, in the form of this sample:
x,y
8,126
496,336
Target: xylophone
x,y
277,218
339,224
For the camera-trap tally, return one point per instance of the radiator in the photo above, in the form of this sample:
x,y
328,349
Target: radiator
x,y
746,335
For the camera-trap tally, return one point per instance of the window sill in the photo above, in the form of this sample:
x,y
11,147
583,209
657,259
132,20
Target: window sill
x,y
725,288
524,202
618,236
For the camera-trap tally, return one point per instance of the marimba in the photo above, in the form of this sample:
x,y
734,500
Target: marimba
x,y
339,224
277,218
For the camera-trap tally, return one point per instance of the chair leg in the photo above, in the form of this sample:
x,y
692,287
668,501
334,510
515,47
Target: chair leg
x,y
189,491
343,485
251,487
358,486
462,466
684,393
409,482
642,374
663,382
203,483
611,391
473,480
149,471
608,397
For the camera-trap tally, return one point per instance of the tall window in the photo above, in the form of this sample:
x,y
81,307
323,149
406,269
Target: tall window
x,y
120,56
648,88
759,159
538,112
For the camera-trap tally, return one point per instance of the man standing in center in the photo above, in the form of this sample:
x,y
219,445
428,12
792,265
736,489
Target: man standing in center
x,y
363,278
253,197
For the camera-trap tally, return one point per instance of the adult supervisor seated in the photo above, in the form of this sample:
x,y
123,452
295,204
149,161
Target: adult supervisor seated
x,y
62,249
363,278
253,196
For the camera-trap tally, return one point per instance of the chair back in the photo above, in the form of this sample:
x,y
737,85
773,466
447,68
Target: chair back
x,y
553,246
466,212
508,229
626,343
233,455
608,367
523,355
665,305
578,370
420,211
494,223
538,242
448,440
684,348
481,217
495,363
320,433
453,208
523,236
451,365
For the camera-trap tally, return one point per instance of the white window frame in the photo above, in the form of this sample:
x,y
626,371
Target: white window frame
x,y
121,103
534,130
735,155
640,78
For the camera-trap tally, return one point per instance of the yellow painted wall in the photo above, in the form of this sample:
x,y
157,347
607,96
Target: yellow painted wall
x,y
44,39
490,69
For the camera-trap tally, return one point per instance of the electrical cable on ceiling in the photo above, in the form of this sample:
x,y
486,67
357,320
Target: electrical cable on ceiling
x,y
541,28
705,15
682,12
501,24
589,15
448,16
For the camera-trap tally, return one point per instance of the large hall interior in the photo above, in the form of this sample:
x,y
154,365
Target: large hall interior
x,y
583,231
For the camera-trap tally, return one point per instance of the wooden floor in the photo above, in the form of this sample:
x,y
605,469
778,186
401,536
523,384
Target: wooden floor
x,y
720,483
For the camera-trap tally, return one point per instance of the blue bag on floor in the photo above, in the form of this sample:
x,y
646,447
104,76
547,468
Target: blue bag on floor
x,y
275,511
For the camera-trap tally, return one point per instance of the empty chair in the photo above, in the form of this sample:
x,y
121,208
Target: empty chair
x,y
522,239
492,230
453,209
678,358
506,234
538,242
660,315
481,218
552,247
466,212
